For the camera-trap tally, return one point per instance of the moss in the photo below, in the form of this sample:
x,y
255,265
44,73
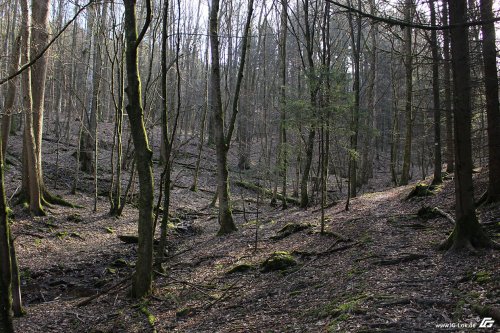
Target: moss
x,y
111,270
482,277
459,309
354,272
150,317
333,326
74,234
420,190
427,213
279,261
240,268
184,312
119,263
61,234
77,218
338,307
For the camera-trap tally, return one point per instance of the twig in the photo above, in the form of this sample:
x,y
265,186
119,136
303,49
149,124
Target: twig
x,y
194,285
91,298
208,306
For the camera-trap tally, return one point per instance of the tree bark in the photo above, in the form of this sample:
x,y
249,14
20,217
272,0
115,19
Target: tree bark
x,y
5,261
405,173
40,38
31,180
141,284
11,96
450,163
436,100
467,234
492,103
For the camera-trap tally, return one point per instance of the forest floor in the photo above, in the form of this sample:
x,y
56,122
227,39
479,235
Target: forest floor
x,y
376,269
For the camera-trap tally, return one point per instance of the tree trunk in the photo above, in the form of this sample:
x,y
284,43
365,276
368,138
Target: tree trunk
x,y
11,96
492,103
468,233
283,68
5,261
405,173
141,285
31,175
40,38
450,163
436,102
225,215
313,93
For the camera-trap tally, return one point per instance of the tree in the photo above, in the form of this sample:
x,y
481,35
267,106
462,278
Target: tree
x,y
5,260
141,285
492,103
436,101
314,86
31,175
356,53
283,69
450,163
408,63
467,233
222,139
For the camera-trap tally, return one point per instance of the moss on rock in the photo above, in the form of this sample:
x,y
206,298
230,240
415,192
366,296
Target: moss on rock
x,y
279,261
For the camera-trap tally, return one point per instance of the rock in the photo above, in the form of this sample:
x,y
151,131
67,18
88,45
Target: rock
x,y
279,261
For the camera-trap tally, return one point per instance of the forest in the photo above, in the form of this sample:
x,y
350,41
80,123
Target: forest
x,y
249,166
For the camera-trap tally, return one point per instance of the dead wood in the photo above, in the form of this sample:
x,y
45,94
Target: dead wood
x,y
266,192
400,260
105,291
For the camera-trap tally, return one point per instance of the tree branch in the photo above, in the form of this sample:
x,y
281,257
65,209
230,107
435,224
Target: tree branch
x,y
42,52
402,24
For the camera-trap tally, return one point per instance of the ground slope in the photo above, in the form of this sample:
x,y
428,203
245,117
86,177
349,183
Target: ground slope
x,y
376,269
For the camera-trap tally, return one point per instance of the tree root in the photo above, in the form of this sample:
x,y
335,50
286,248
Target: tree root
x,y
478,240
57,200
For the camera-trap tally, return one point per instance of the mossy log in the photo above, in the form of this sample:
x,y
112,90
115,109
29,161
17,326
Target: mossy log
x,y
266,192
420,190
427,213
132,239
289,229
487,311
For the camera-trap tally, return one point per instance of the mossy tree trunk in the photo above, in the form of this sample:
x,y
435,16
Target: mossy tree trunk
x,y
141,284
222,139
5,261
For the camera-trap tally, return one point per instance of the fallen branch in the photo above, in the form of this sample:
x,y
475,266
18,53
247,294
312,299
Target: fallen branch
x,y
266,192
104,292
223,296
444,214
400,260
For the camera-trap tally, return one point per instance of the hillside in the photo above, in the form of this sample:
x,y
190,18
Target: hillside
x,y
377,268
